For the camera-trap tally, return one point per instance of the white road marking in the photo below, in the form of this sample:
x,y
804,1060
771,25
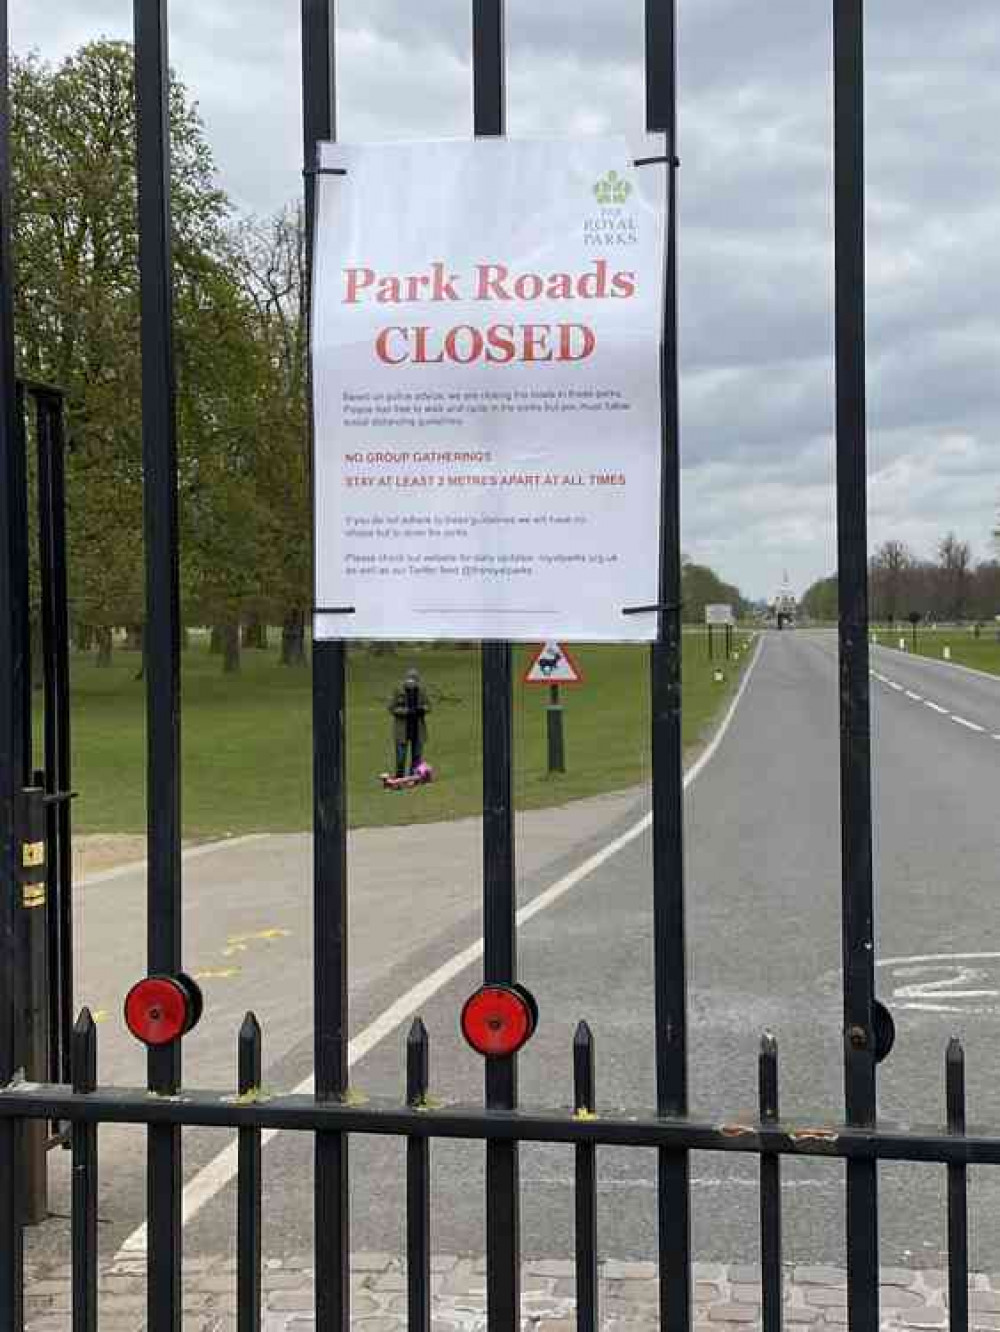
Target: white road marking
x,y
944,983
936,957
917,698
936,706
969,725
221,1170
893,685
996,737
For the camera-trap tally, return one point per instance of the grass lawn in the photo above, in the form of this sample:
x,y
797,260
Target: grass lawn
x,y
247,751
982,653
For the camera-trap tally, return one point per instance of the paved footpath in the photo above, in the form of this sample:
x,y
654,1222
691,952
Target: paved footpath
x,y
727,1299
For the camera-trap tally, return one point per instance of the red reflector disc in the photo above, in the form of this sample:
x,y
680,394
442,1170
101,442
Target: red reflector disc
x,y
496,1020
156,1010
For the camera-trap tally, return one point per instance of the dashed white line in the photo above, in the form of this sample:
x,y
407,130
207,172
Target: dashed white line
x,y
970,725
893,685
917,698
936,706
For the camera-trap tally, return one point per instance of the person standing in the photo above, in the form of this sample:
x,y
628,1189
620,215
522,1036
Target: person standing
x,y
409,707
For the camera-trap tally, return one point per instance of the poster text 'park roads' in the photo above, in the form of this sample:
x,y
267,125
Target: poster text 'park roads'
x,y
486,328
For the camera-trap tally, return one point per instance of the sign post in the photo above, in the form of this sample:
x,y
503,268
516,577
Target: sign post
x,y
719,613
553,665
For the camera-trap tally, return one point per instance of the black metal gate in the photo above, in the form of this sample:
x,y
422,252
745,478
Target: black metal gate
x,y
329,1115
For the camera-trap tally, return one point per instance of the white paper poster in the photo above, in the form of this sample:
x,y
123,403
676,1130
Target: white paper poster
x,y
486,330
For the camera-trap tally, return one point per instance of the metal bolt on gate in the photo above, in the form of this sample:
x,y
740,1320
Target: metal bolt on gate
x,y
500,1017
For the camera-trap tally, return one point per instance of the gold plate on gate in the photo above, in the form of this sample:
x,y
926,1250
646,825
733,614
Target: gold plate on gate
x,y
33,854
33,896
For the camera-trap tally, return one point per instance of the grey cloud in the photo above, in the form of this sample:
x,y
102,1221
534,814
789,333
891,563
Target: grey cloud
x,y
756,211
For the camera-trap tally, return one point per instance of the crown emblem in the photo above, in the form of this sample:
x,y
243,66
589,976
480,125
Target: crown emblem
x,y
612,189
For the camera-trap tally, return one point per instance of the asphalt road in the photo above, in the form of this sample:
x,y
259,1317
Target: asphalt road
x,y
763,895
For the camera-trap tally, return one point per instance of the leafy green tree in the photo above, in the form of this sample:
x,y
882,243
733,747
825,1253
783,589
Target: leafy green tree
x,y
820,600
702,586
77,319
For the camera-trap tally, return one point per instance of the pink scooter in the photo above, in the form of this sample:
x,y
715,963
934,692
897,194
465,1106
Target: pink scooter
x,y
420,776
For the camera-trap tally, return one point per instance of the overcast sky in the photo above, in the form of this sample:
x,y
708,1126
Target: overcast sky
x,y
756,216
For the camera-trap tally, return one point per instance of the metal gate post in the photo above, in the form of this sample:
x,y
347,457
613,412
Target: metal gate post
x,y
59,857
855,742
162,636
329,686
35,1001
674,1197
13,759
503,1204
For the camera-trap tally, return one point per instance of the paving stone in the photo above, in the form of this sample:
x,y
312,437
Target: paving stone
x,y
835,1316
614,1270
733,1313
286,1280
291,1300
644,1292
390,1281
820,1276
897,1276
746,1294
551,1267
984,1301
895,1297
706,1291
370,1262
710,1272
927,1318
801,1314
826,1296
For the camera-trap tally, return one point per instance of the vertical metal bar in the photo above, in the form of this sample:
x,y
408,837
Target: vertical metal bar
x,y
958,1211
329,686
57,757
46,777
248,1185
503,1243
12,757
20,622
674,1198
855,741
585,1102
35,997
84,1220
770,1191
418,1188
162,633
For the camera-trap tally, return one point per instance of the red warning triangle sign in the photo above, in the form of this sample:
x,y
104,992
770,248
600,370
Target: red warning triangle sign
x,y
553,664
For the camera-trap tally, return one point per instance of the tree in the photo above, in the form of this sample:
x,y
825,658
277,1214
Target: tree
x,y
77,319
271,260
888,583
820,601
954,559
702,586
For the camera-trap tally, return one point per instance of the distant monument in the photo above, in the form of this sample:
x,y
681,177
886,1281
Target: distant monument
x,y
784,605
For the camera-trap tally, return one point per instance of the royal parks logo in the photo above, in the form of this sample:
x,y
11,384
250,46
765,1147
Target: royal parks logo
x,y
612,225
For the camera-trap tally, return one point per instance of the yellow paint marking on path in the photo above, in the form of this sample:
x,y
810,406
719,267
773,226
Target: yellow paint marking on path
x,y
217,973
100,1015
235,940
